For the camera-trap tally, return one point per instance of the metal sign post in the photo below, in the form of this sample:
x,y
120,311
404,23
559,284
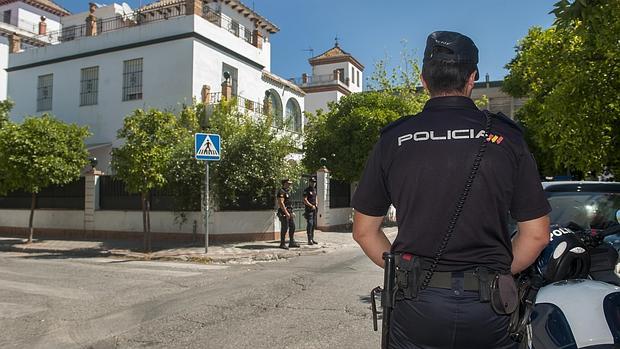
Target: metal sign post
x,y
207,148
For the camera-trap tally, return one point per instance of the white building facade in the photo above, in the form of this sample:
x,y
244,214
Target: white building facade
x,y
162,56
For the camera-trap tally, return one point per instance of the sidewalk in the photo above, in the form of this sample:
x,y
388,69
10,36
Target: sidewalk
x,y
240,253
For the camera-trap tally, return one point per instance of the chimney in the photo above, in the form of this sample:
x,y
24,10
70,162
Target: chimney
x,y
15,43
42,26
193,7
257,39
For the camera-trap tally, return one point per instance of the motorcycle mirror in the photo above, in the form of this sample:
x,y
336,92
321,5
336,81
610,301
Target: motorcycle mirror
x,y
618,216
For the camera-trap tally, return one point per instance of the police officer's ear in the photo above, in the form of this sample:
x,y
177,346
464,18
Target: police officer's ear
x,y
469,86
424,84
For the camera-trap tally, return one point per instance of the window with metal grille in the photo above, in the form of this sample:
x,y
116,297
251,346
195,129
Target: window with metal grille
x,y
132,79
44,92
89,86
6,18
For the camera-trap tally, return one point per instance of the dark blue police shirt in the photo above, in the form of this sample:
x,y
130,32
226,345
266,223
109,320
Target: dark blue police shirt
x,y
420,165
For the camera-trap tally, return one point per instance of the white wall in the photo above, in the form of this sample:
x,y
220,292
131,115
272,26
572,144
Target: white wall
x,y
28,17
53,219
325,69
166,83
318,100
166,77
339,216
4,62
131,221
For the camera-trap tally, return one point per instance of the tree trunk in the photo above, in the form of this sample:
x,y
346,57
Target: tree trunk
x,y
144,220
148,224
30,225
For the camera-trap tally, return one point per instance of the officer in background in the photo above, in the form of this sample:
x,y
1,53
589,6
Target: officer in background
x,y
286,215
310,209
422,165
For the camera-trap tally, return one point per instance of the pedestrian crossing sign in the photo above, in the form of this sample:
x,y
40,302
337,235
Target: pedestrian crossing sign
x,y
207,146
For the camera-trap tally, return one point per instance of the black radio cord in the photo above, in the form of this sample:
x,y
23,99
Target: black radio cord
x,y
460,204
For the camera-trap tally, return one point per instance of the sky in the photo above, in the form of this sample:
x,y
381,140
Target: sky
x,y
377,30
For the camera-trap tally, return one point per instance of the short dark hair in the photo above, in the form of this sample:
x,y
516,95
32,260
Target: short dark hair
x,y
446,76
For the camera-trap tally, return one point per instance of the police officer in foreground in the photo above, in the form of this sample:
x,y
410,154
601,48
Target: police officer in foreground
x,y
286,215
454,174
310,209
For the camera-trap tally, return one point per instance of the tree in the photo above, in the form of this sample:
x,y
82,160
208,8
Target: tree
x,y
144,161
346,134
351,126
570,74
253,158
41,151
5,108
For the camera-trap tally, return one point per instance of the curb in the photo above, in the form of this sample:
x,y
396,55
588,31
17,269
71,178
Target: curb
x,y
82,252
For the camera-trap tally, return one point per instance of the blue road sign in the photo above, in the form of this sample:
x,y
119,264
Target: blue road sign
x,y
207,146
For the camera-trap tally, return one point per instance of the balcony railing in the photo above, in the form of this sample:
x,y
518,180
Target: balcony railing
x,y
317,80
227,23
119,22
243,104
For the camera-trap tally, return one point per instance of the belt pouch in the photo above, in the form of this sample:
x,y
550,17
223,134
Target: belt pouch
x,y
408,271
504,294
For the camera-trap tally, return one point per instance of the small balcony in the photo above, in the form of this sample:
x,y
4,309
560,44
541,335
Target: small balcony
x,y
321,80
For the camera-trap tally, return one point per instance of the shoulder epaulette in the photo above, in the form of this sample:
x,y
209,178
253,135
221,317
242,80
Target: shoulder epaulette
x,y
503,117
395,123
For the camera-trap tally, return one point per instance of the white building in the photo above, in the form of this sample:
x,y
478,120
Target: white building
x,y
29,19
161,56
335,73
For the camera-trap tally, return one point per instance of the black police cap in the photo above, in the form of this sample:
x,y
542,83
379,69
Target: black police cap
x,y
286,180
462,48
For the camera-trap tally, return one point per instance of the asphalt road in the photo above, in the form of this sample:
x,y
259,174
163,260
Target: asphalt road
x,y
49,301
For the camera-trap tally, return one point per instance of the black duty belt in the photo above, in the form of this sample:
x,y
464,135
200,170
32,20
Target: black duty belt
x,y
445,280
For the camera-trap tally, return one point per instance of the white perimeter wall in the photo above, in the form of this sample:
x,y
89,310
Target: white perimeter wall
x,y
131,221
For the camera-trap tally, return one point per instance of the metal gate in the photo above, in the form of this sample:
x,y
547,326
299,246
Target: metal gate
x,y
297,195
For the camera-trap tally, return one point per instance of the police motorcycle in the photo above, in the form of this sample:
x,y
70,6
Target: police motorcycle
x,y
569,298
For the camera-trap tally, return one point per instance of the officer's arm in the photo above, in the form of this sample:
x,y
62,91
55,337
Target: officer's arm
x,y
281,204
306,202
531,239
368,234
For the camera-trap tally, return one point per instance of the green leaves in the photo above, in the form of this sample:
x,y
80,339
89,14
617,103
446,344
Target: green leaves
x,y
253,158
570,74
39,152
346,134
144,160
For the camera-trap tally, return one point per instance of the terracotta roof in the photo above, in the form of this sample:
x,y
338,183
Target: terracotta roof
x,y
47,5
335,55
